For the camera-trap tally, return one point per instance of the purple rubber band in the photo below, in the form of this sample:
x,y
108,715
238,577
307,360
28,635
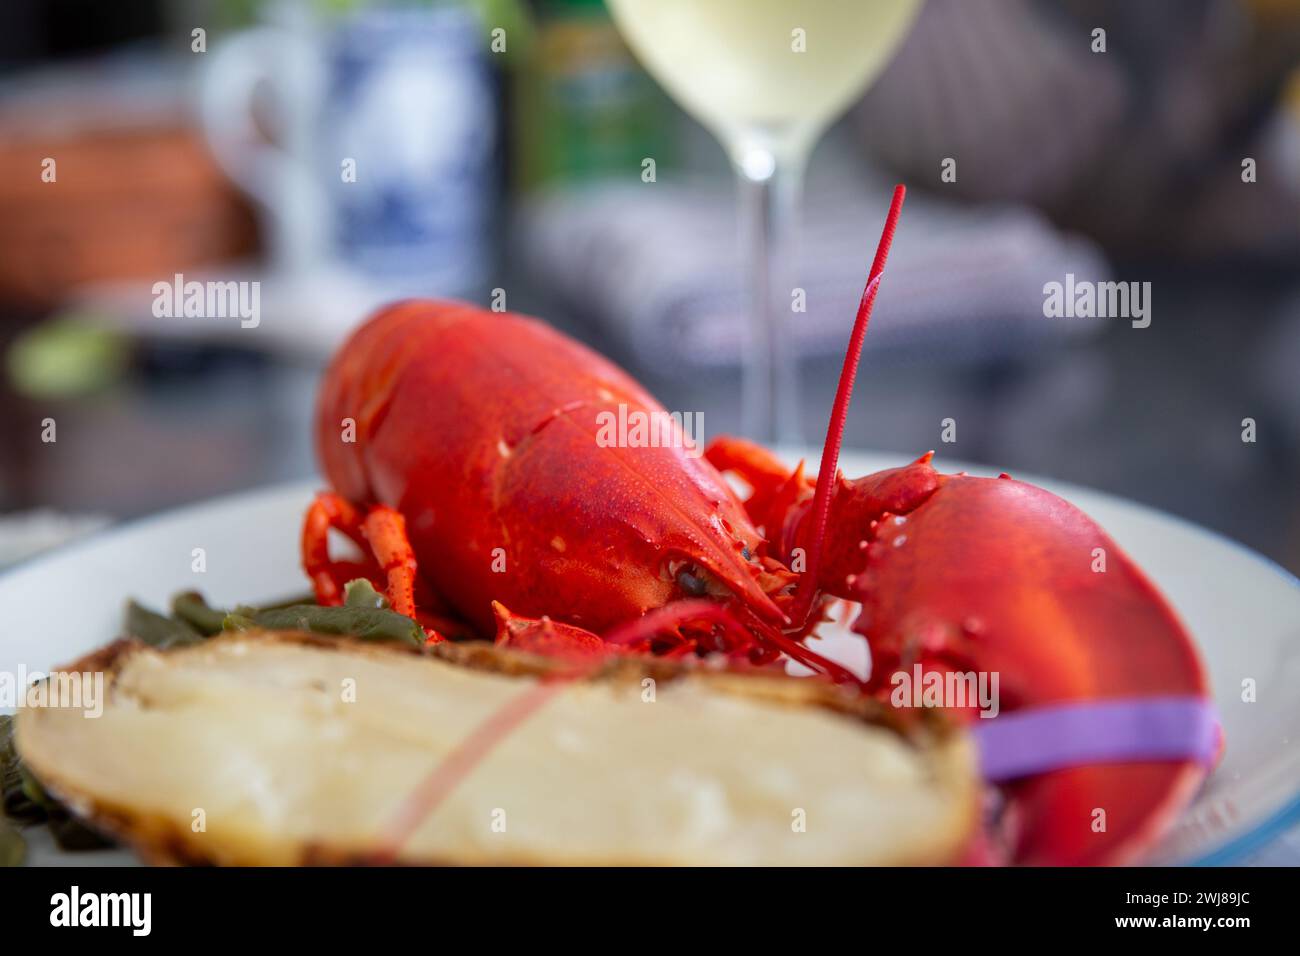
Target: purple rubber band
x,y
1123,730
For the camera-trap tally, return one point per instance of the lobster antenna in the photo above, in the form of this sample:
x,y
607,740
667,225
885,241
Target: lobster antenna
x,y
839,414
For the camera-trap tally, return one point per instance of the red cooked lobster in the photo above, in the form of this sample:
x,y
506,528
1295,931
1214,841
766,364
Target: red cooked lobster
x,y
463,448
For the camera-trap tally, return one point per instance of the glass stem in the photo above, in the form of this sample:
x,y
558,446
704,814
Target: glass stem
x,y
771,185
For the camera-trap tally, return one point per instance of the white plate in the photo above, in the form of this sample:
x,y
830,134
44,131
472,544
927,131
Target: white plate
x,y
1243,610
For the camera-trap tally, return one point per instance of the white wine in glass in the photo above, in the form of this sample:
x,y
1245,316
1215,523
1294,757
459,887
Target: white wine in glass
x,y
766,77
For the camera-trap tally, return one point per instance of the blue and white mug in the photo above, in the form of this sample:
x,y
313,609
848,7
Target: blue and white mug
x,y
383,133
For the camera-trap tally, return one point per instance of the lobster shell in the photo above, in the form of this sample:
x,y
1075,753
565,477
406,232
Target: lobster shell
x,y
482,429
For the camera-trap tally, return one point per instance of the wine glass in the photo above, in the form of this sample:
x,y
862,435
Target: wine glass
x,y
766,77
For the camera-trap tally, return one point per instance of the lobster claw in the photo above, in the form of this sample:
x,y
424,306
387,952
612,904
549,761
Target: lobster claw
x,y
1104,729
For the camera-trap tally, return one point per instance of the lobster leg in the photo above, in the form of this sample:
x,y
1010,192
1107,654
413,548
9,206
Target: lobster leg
x,y
544,636
668,623
327,511
778,496
754,464
381,532
385,529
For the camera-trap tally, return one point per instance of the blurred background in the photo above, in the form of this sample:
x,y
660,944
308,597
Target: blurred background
x,y
341,153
